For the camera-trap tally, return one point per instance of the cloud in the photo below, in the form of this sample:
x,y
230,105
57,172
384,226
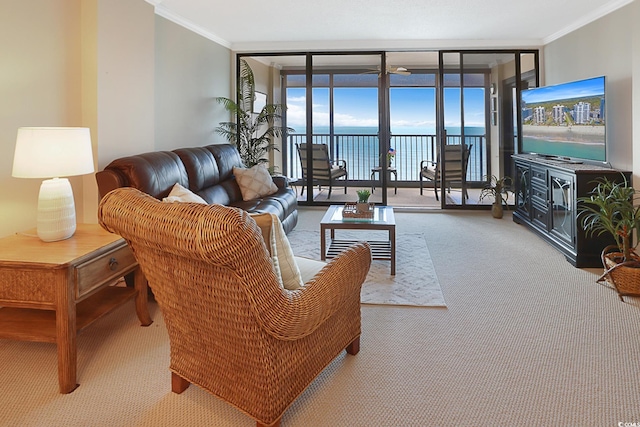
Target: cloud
x,y
412,123
349,120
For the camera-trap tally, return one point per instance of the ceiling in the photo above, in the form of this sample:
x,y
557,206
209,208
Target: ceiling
x,y
305,25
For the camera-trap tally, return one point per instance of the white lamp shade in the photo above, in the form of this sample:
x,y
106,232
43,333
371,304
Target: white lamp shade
x,y
49,152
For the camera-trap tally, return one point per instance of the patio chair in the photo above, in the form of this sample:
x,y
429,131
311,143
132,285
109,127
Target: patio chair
x,y
456,161
324,171
233,329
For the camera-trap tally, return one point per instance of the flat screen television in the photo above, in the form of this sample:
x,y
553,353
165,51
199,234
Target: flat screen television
x,y
566,121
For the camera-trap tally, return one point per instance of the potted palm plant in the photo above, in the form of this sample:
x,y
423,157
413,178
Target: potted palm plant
x,y
252,133
498,189
610,209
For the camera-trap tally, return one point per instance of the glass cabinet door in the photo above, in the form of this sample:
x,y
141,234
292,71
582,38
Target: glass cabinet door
x,y
523,199
562,207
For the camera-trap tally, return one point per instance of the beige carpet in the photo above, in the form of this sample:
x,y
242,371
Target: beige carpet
x,y
525,340
415,282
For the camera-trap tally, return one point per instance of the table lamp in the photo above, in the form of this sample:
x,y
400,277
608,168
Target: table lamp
x,y
53,152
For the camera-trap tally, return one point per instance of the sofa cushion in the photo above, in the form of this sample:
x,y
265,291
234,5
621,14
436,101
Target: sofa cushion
x,y
254,182
181,194
284,263
201,167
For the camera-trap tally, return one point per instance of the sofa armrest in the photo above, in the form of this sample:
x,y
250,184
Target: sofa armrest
x,y
108,180
299,313
280,181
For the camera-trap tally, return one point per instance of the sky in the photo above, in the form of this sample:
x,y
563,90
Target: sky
x,y
577,89
412,109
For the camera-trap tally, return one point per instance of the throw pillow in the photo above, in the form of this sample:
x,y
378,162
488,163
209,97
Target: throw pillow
x,y
284,263
184,195
254,182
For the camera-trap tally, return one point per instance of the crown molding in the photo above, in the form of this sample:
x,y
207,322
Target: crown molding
x,y
162,11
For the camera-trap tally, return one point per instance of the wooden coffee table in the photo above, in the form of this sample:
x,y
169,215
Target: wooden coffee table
x,y
51,291
383,219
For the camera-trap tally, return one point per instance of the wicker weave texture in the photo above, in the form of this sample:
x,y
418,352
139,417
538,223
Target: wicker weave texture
x,y
233,330
624,277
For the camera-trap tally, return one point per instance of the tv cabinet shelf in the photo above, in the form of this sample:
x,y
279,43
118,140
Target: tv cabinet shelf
x,y
546,198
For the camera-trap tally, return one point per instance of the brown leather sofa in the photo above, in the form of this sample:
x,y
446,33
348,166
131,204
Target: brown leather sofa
x,y
207,171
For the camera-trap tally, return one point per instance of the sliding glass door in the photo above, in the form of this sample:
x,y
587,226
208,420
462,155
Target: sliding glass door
x,y
333,105
399,124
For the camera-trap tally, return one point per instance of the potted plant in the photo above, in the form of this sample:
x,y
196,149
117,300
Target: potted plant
x,y
252,133
610,209
498,190
363,200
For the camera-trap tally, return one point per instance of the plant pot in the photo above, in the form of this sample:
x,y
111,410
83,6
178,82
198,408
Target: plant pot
x,y
623,276
363,207
496,210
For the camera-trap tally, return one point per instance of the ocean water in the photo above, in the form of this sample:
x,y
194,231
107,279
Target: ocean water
x,y
406,130
360,147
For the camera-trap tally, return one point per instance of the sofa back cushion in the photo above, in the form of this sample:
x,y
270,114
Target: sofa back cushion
x,y
201,167
210,172
227,157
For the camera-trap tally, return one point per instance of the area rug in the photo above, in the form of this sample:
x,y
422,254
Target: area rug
x,y
415,282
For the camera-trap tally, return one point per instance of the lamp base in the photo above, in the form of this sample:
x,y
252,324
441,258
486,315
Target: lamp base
x,y
56,210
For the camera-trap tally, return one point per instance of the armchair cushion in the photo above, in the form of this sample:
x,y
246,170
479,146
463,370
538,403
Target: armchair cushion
x,y
284,263
309,267
254,182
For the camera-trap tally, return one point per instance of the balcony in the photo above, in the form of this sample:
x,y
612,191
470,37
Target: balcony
x,y
362,154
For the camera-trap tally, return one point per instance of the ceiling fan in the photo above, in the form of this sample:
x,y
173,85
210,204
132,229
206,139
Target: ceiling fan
x,y
392,70
398,70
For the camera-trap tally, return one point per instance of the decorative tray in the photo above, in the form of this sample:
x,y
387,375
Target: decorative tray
x,y
351,210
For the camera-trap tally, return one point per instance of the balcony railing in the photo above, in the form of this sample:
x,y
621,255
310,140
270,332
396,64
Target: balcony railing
x,y
362,153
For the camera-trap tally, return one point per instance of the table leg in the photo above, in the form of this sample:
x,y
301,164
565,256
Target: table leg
x,y
66,332
395,182
392,240
323,247
142,297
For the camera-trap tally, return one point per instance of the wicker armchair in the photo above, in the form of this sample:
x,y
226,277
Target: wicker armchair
x,y
233,330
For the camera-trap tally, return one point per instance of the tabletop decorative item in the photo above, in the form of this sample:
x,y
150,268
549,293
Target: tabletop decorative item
x,y
362,208
391,155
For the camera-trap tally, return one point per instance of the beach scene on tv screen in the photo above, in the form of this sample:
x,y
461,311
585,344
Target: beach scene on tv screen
x,y
565,120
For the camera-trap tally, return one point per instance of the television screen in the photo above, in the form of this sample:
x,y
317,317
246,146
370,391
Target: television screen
x,y
566,120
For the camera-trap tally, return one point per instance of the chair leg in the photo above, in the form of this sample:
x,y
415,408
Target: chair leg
x,y
354,347
330,188
421,184
178,384
435,189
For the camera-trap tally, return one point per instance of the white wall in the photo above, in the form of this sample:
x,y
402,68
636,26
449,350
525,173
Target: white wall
x,y
94,63
603,47
190,72
39,86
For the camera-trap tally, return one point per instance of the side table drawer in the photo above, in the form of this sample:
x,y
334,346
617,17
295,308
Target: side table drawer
x,y
109,266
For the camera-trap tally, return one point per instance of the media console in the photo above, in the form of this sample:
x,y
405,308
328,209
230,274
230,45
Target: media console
x,y
546,201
